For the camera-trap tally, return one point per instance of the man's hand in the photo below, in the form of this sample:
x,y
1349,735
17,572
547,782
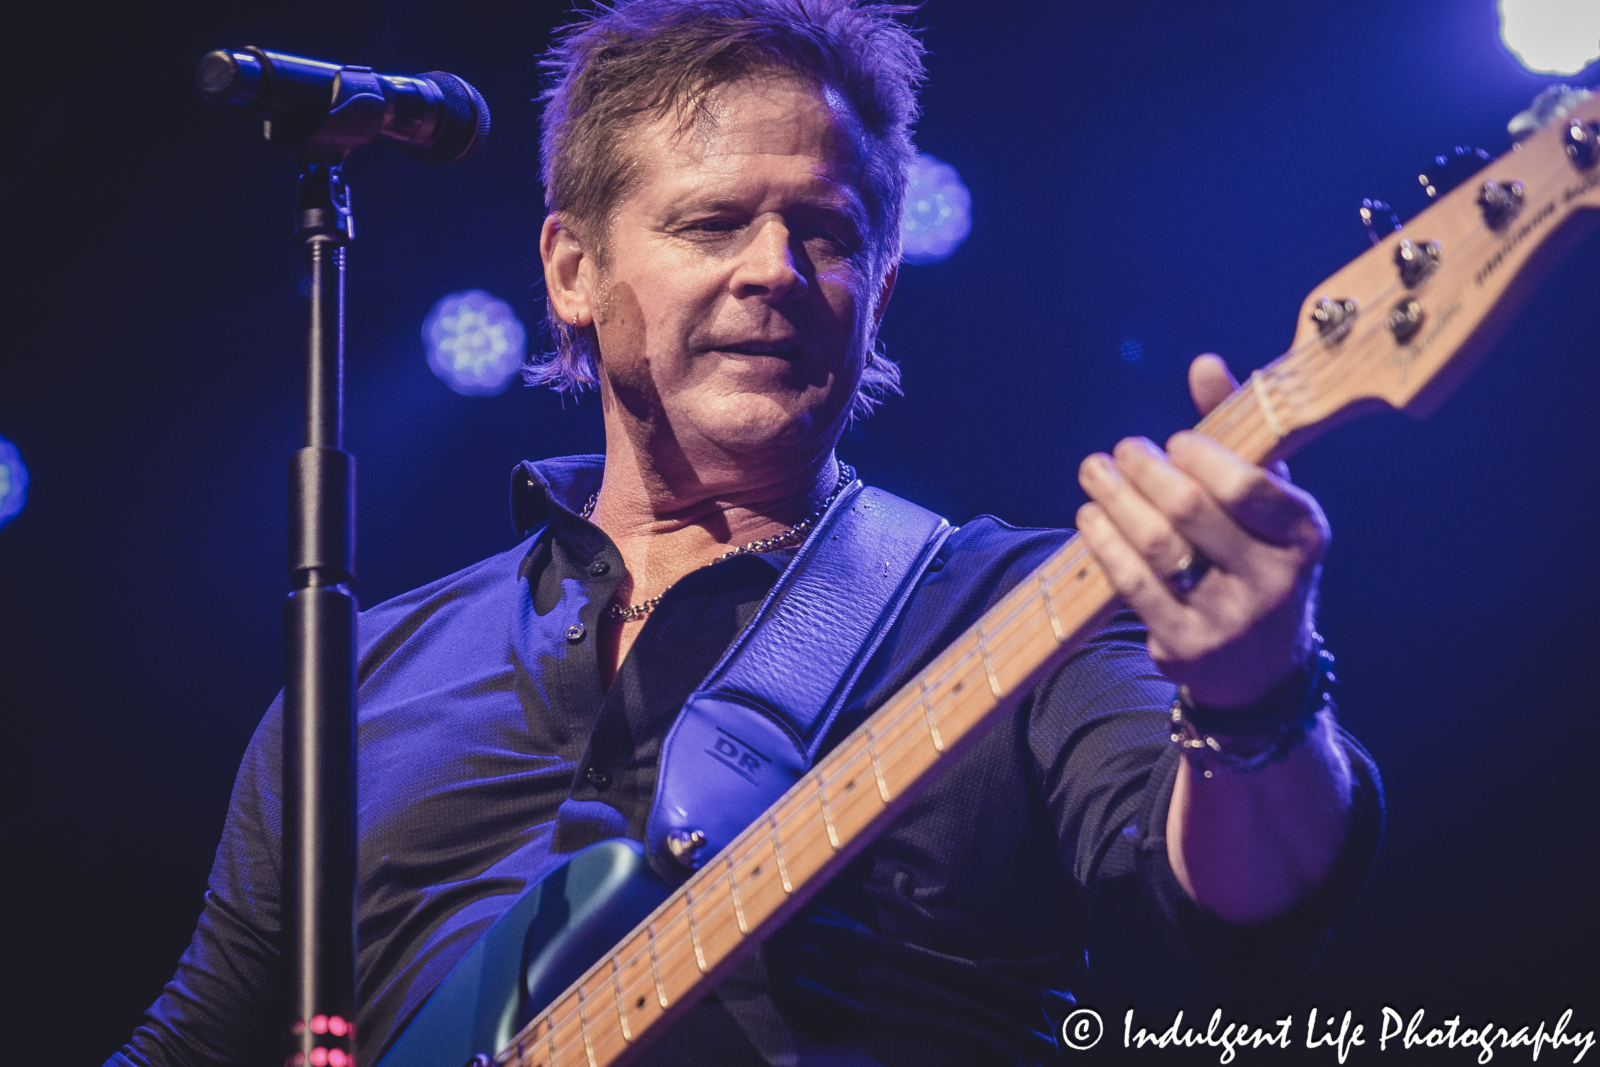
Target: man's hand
x,y
1245,846
1249,541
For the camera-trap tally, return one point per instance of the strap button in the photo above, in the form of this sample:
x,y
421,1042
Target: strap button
x,y
598,567
575,632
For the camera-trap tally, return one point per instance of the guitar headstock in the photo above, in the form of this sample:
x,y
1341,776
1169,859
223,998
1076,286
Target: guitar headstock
x,y
1401,324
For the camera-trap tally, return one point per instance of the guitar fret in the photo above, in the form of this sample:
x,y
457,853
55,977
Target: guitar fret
x,y
1050,608
551,1034
694,932
827,816
655,966
583,1026
877,768
988,664
616,986
738,905
1258,382
933,726
777,852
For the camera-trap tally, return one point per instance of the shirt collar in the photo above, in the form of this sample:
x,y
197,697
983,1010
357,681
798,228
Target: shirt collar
x,y
539,488
542,488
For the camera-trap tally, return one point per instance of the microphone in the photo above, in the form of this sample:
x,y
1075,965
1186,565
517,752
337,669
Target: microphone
x,y
324,110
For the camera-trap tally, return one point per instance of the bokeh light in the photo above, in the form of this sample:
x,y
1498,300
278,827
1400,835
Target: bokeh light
x,y
13,482
938,213
1551,36
475,342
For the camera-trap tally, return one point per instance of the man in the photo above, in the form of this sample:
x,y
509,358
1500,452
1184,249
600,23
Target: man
x,y
724,179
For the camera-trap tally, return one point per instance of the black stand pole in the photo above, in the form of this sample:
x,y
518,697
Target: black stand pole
x,y
324,111
319,691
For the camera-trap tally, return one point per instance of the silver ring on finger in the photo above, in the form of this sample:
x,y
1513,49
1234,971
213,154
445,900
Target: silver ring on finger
x,y
1182,580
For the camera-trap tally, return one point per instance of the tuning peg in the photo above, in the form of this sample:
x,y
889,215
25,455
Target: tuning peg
x,y
1416,261
1406,319
1500,203
1334,317
1581,138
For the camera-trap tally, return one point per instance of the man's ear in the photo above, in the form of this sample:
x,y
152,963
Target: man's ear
x,y
568,272
884,293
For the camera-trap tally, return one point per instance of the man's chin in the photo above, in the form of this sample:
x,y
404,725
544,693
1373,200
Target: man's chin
x,y
753,425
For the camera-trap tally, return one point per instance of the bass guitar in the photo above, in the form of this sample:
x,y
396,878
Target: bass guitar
x,y
597,959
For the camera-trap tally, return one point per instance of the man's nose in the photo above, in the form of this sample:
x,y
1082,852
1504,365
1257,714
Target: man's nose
x,y
768,266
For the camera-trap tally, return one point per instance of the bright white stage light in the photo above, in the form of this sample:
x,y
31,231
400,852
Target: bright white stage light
x,y
1551,36
938,213
13,481
474,342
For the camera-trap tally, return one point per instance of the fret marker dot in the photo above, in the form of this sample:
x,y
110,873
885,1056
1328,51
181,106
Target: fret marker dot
x,y
639,1003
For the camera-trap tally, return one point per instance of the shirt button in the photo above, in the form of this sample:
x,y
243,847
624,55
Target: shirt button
x,y
599,567
575,632
598,777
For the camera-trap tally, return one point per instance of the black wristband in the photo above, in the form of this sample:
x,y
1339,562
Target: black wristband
x,y
1298,697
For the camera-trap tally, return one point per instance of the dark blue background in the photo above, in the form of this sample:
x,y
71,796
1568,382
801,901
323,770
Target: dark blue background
x,y
1176,174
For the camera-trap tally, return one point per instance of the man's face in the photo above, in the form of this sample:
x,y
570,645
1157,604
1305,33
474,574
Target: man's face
x,y
738,292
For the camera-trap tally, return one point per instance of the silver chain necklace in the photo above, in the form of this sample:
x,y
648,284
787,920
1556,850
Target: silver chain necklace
x,y
782,539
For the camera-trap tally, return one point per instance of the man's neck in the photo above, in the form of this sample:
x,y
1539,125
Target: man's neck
x,y
665,527
697,513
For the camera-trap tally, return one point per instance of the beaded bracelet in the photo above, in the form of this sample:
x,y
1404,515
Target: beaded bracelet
x,y
1279,721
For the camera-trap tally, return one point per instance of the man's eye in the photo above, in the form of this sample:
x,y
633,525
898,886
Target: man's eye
x,y
832,238
715,225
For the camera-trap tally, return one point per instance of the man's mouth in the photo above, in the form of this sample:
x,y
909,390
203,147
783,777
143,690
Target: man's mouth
x,y
788,350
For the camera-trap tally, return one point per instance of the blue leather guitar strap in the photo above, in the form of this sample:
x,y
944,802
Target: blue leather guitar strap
x,y
758,721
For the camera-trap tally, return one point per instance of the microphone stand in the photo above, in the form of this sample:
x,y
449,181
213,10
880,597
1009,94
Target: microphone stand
x,y
324,111
319,774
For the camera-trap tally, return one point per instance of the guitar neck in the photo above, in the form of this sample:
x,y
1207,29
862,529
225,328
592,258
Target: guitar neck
x,y
1364,357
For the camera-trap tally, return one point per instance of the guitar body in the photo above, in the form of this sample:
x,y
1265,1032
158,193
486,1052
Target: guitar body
x,y
553,933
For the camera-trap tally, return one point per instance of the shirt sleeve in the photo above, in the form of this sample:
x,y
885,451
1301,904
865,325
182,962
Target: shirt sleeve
x,y
225,1003
1099,730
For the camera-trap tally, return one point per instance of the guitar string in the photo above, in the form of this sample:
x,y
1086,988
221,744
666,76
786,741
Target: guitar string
x,y
1321,358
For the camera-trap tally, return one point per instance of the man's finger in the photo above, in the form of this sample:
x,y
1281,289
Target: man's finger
x,y
1169,511
1210,382
1124,493
1129,573
1268,507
